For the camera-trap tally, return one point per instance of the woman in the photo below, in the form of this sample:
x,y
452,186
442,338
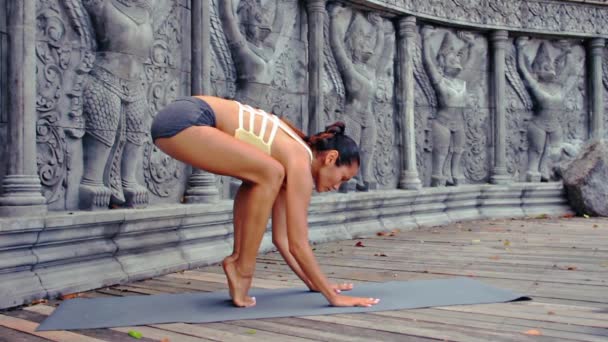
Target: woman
x,y
278,166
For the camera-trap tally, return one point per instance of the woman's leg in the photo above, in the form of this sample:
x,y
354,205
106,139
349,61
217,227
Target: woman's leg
x,y
239,215
212,150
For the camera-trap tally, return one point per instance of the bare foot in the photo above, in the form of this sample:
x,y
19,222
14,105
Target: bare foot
x,y
237,284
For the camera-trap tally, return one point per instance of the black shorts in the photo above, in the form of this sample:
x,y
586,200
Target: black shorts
x,y
182,113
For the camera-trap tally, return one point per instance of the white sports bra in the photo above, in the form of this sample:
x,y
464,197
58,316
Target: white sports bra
x,y
257,140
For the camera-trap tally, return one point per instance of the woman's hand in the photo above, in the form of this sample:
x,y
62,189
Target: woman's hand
x,y
340,300
337,288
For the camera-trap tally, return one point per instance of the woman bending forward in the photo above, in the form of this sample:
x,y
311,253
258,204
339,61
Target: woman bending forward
x,y
278,165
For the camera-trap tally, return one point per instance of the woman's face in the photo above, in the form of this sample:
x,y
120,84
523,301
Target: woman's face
x,y
329,177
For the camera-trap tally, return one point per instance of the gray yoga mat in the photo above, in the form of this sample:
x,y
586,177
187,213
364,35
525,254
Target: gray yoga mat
x,y
204,307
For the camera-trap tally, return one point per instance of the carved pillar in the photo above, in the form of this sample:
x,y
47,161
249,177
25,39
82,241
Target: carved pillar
x,y
405,98
316,16
22,190
595,50
499,44
202,186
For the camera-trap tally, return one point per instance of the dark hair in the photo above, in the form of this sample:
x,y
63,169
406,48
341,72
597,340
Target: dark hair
x,y
333,138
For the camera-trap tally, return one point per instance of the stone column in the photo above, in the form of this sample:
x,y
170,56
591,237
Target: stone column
x,y
595,51
498,89
21,184
405,98
202,186
316,16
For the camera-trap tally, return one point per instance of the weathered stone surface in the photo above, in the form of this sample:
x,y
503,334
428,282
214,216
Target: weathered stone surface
x,y
585,180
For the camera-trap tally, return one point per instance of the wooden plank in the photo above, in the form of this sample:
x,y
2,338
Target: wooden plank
x,y
10,335
535,311
422,329
147,332
32,314
30,328
502,325
291,327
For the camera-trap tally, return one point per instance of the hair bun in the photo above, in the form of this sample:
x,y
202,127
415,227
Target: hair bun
x,y
336,128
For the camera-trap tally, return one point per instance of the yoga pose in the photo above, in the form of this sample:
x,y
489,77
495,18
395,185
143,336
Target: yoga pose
x,y
278,166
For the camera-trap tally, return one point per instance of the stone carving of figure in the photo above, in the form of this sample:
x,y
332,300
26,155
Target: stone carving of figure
x,y
448,72
357,58
252,45
114,103
549,79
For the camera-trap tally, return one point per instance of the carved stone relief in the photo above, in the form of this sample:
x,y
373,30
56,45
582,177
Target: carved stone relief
x,y
542,15
97,91
358,43
258,34
162,173
455,65
605,82
3,87
386,161
553,75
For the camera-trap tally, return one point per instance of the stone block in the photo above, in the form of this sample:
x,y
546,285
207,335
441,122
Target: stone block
x,y
152,263
135,243
80,276
462,203
501,201
20,288
205,252
73,251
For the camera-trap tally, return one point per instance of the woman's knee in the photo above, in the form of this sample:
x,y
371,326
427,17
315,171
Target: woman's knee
x,y
273,176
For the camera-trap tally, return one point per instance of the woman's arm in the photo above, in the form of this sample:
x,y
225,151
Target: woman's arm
x,y
298,195
281,242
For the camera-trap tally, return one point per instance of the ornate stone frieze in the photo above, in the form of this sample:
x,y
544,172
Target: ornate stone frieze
x,y
162,173
549,16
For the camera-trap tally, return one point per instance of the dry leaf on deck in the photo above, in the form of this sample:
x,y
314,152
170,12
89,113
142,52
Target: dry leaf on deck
x,y
495,257
70,296
359,244
382,233
568,216
533,332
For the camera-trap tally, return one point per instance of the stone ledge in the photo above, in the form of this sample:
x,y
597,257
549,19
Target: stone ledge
x,y
70,252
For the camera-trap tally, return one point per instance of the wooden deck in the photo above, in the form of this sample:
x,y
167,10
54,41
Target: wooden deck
x,y
562,263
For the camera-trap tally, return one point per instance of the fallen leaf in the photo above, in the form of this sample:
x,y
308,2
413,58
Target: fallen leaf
x,y
70,296
359,244
571,268
135,334
568,216
533,332
586,216
39,301
475,241
495,257
251,331
506,243
542,216
382,233
550,313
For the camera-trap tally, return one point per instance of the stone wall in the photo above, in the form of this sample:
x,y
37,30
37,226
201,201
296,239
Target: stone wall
x,y
439,92
3,87
103,72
